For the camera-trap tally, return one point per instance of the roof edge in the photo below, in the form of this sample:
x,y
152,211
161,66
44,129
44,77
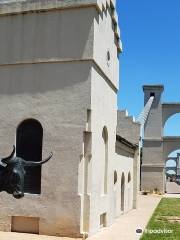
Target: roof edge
x,y
153,87
126,142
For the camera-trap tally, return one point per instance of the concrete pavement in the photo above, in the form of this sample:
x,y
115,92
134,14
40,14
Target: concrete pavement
x,y
24,236
124,227
169,195
172,188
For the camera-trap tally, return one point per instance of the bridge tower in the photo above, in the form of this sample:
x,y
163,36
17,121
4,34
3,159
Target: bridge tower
x,y
152,169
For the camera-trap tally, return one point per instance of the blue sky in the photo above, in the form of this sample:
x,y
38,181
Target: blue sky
x,y
150,34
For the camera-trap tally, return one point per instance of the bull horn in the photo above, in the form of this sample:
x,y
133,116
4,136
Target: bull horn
x,y
30,163
5,160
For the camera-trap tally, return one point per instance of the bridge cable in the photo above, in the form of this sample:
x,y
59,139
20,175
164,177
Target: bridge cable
x,y
144,114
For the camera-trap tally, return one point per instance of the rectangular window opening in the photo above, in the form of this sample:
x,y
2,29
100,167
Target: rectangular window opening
x,y
152,94
103,220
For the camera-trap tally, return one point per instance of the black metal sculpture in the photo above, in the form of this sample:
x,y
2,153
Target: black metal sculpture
x,y
12,172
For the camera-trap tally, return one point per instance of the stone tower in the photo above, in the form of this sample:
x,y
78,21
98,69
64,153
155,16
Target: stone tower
x,y
156,146
59,67
152,169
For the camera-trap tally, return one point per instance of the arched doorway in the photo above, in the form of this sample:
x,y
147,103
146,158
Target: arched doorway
x,y
29,137
171,172
129,192
122,191
171,149
115,192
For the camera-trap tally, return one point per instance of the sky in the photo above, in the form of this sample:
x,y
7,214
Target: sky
x,y
150,34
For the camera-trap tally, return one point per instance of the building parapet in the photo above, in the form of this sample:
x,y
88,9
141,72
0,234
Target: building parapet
x,y
153,87
24,6
127,127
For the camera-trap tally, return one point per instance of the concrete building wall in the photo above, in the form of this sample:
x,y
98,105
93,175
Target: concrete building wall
x,y
59,64
153,178
152,169
104,85
40,92
103,115
45,73
130,130
153,127
106,54
156,149
123,164
47,36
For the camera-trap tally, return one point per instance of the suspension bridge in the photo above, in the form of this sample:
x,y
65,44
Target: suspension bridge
x,y
144,114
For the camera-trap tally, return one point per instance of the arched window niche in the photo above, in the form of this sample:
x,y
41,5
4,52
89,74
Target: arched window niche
x,y
115,177
29,137
129,195
129,177
105,160
122,191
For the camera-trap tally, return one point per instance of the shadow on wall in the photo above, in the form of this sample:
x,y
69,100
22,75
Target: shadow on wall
x,y
44,35
40,78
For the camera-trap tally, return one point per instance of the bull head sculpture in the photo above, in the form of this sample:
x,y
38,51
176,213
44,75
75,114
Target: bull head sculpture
x,y
12,172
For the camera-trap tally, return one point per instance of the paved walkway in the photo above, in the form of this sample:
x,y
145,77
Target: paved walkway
x,y
125,227
23,236
172,187
174,195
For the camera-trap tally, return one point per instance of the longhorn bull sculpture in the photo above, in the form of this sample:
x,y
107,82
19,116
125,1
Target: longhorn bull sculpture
x,y
12,173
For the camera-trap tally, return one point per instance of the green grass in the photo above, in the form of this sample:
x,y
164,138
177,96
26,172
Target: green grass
x,y
166,207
